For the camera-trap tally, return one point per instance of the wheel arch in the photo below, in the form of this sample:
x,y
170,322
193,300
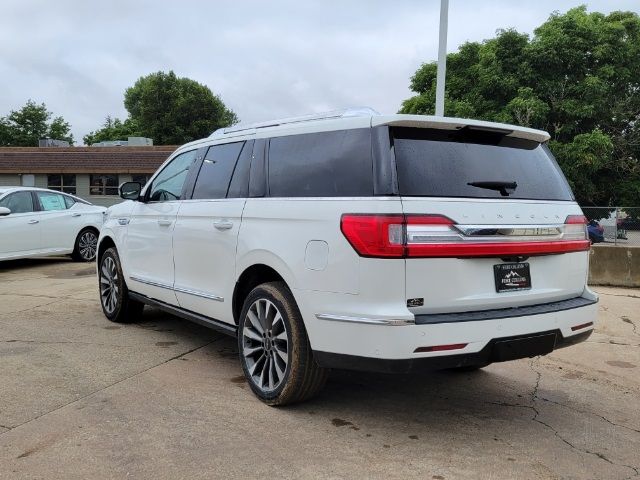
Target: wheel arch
x,y
93,228
250,278
104,243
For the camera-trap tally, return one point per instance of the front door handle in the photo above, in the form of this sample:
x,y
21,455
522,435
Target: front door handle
x,y
223,224
164,223
33,222
76,215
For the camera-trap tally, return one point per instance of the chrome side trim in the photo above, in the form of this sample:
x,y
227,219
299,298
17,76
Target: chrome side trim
x,y
198,293
188,291
151,282
365,320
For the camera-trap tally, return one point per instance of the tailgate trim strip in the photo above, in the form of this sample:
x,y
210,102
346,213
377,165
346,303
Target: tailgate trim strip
x,y
431,318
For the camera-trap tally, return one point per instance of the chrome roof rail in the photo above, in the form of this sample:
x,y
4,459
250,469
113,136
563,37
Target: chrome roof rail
x,y
345,112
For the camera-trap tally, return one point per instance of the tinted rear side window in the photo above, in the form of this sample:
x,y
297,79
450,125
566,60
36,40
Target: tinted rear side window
x,y
215,172
325,164
441,163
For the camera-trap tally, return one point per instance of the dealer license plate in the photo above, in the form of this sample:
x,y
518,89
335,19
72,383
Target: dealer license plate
x,y
512,276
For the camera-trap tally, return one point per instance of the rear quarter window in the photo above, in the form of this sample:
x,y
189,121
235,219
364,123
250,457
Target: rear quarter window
x,y
324,164
443,163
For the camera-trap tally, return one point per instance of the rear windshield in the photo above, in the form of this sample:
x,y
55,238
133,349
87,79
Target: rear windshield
x,y
475,164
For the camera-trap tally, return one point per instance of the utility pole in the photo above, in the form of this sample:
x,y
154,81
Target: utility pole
x,y
442,57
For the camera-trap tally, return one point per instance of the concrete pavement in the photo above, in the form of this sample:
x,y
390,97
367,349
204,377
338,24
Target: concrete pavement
x,y
81,397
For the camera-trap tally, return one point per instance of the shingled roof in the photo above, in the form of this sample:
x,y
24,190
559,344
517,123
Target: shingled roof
x,y
83,159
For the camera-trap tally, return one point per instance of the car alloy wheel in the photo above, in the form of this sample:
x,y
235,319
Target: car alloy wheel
x,y
88,245
265,345
109,288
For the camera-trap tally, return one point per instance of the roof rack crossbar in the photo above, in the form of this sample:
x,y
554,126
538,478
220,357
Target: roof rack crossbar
x,y
345,112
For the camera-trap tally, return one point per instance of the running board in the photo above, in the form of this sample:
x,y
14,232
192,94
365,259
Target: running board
x,y
208,322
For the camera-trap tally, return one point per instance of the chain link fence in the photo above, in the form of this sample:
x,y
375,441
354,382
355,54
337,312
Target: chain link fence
x,y
614,225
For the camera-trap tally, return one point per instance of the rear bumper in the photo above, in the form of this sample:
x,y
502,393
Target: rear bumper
x,y
392,335
497,350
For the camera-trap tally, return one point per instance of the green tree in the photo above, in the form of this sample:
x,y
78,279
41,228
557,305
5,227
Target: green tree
x,y
578,77
113,129
174,110
24,127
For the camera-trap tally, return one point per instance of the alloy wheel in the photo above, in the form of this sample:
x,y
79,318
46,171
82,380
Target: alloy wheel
x,y
109,288
265,345
88,245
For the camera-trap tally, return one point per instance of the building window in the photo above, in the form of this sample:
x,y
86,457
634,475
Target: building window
x,y
103,184
62,183
142,179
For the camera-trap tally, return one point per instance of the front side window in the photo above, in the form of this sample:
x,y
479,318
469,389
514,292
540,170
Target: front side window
x,y
167,185
326,164
51,201
19,202
62,182
103,184
215,172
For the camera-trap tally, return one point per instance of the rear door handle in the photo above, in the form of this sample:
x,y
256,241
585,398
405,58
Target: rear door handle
x,y
33,222
223,224
76,215
164,223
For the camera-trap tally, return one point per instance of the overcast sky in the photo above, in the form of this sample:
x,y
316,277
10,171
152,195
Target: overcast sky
x,y
266,59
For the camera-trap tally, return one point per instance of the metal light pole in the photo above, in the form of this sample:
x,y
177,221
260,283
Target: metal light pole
x,y
442,57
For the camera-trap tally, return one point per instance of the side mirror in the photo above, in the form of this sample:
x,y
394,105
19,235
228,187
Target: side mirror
x,y
4,211
130,190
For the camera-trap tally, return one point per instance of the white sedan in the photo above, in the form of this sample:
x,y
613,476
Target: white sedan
x,y
36,222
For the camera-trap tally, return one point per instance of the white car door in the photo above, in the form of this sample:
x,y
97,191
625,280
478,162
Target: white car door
x,y
148,248
206,233
59,225
20,230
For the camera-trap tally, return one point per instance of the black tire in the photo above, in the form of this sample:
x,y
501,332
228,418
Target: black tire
x,y
86,246
300,377
116,304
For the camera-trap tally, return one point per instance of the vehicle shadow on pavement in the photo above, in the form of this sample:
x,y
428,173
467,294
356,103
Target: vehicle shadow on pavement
x,y
397,398
34,263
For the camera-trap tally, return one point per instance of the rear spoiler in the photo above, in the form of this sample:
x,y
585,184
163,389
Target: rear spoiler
x,y
447,123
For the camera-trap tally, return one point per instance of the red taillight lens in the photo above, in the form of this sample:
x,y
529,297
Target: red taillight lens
x,y
575,229
375,235
436,236
576,219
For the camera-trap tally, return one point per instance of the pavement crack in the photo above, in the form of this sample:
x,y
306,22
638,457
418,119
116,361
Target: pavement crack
x,y
611,342
585,412
618,295
534,397
175,357
507,404
633,324
32,308
66,342
31,295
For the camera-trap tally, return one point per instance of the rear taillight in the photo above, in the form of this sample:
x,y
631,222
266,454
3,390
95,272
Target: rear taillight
x,y
436,236
575,228
375,235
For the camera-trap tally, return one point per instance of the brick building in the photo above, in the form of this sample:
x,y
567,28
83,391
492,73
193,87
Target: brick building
x,y
91,173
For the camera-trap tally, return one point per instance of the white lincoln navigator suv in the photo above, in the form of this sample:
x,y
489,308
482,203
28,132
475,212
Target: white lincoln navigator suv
x,y
354,240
